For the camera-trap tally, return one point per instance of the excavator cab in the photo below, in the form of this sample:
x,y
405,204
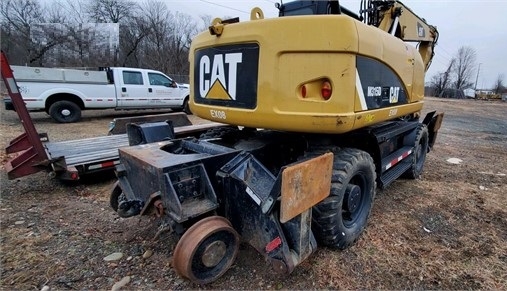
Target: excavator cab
x,y
388,15
313,8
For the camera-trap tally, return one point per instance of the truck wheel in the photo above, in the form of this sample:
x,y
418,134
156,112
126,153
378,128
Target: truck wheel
x,y
339,220
419,156
65,111
206,250
186,107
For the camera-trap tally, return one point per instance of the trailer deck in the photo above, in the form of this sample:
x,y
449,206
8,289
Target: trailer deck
x,y
73,158
68,160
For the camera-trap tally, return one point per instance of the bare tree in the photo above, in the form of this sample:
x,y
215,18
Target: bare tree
x,y
114,11
184,31
205,22
499,87
132,34
75,10
156,49
17,16
441,81
464,67
34,34
61,33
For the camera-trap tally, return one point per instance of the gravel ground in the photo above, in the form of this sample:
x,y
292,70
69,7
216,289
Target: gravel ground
x,y
445,231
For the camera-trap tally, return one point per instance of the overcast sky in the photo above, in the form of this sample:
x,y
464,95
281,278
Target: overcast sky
x,y
480,24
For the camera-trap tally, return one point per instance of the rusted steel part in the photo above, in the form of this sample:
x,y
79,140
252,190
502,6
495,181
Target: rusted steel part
x,y
159,206
206,250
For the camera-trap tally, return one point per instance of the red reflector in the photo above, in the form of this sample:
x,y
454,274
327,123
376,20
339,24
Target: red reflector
x,y
303,91
326,90
74,176
107,164
273,244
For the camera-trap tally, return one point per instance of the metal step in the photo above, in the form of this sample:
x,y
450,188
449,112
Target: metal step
x,y
395,156
394,173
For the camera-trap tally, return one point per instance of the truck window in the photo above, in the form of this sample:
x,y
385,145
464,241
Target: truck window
x,y
132,78
160,80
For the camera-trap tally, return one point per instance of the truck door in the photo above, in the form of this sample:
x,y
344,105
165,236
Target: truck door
x,y
133,92
165,91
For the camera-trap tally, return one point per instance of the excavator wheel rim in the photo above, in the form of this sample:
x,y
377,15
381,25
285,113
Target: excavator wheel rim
x,y
192,252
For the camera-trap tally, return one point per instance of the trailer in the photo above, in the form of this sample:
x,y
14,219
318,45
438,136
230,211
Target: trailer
x,y
70,160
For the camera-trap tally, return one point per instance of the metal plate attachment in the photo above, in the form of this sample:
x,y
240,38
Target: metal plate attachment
x,y
304,185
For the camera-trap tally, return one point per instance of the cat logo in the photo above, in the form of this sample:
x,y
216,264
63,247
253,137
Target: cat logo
x,y
420,30
218,75
226,75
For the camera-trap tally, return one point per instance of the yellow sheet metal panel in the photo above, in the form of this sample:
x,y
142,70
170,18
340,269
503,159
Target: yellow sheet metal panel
x,y
304,185
298,50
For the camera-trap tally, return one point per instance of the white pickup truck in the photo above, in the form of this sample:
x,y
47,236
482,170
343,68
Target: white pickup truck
x,y
64,93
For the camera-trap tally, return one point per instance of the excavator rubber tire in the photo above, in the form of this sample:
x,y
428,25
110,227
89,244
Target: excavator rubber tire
x,y
339,220
419,156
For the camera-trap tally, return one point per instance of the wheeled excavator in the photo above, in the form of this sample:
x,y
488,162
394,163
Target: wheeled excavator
x,y
323,107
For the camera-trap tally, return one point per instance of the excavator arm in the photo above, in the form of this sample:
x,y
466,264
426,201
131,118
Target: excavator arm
x,y
397,19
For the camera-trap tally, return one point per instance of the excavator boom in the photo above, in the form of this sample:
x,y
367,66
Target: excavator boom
x,y
397,19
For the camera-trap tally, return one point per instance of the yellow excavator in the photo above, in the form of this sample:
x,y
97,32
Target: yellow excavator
x,y
323,107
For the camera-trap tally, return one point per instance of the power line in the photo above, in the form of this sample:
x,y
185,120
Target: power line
x,y
224,6
444,50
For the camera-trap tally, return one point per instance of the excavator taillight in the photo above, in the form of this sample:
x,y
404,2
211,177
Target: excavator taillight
x,y
316,90
326,90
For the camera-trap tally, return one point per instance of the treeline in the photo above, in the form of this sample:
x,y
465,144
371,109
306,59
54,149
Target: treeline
x,y
461,73
98,33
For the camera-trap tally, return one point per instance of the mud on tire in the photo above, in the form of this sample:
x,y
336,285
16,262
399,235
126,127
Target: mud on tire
x,y
339,220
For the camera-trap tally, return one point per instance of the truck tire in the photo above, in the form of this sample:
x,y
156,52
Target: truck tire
x,y
65,111
339,220
186,107
419,156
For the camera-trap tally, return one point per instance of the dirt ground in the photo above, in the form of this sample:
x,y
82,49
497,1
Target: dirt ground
x,y
447,230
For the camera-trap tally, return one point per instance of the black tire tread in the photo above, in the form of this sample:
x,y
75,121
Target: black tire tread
x,y
186,107
413,172
327,217
73,107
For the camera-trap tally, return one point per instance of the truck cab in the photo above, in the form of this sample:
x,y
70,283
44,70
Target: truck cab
x,y
143,88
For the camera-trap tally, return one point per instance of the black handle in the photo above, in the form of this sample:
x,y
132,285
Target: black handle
x,y
149,90
123,89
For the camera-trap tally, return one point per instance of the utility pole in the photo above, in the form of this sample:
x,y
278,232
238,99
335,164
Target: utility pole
x,y
477,77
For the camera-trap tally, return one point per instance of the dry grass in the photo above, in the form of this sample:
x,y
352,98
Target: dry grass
x,y
445,231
